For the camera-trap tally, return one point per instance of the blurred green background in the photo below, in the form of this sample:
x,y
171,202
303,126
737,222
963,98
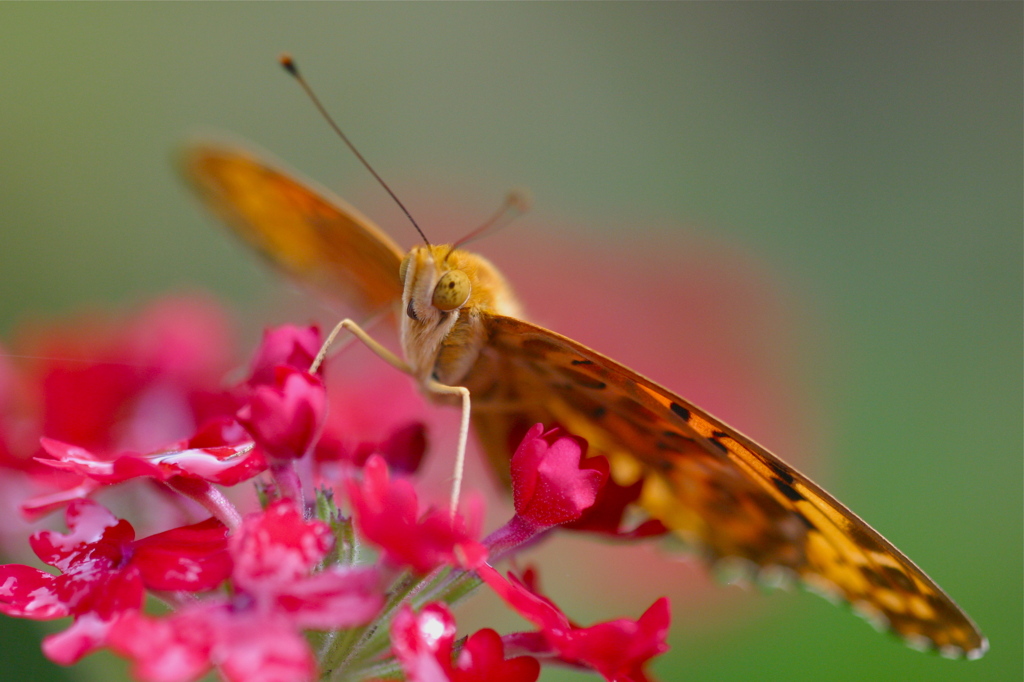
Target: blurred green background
x,y
868,155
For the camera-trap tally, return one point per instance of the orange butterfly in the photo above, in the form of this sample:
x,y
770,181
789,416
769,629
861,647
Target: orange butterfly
x,y
461,329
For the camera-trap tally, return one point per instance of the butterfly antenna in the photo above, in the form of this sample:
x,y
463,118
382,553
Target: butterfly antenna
x,y
289,65
516,203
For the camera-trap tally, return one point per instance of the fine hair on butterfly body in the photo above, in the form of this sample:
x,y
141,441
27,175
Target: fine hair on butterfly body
x,y
462,334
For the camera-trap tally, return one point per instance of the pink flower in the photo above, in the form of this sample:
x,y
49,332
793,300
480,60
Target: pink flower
x,y
278,545
287,345
423,644
104,571
275,553
224,464
188,466
549,485
617,649
256,634
245,646
387,514
284,417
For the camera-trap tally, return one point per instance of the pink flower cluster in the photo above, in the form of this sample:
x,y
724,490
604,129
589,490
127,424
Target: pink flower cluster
x,y
287,549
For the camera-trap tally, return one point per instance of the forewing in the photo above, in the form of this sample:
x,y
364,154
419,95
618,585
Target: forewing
x,y
713,486
312,235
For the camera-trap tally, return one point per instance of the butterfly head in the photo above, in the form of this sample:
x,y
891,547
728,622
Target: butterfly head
x,y
446,294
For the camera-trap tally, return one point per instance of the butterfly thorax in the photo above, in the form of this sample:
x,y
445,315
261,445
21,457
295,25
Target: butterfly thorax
x,y
446,299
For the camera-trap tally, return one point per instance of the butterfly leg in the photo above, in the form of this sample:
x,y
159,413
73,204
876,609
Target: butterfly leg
x,y
432,385
460,455
368,341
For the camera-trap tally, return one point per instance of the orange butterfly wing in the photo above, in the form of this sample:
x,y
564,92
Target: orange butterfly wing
x,y
312,235
709,483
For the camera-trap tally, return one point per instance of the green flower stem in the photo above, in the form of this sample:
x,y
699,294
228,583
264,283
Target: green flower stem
x,y
379,641
385,670
359,644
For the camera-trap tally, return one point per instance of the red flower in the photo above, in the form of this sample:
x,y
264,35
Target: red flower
x,y
116,386
423,642
549,486
609,510
256,634
617,649
111,386
403,448
287,345
357,427
284,417
482,659
387,514
103,573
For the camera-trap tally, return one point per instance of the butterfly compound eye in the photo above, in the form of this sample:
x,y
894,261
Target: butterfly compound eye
x,y
452,290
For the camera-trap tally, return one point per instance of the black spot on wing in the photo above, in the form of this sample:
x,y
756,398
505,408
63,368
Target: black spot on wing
x,y
780,471
672,441
540,348
715,436
900,579
680,411
787,490
861,536
677,438
718,444
874,577
936,602
582,362
581,379
583,401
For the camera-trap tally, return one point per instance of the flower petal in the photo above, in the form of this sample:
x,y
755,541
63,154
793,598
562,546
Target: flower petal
x,y
549,487
192,558
27,592
278,546
386,513
333,598
422,642
482,659
285,417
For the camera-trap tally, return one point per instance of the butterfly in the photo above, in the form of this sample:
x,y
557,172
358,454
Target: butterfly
x,y
461,326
